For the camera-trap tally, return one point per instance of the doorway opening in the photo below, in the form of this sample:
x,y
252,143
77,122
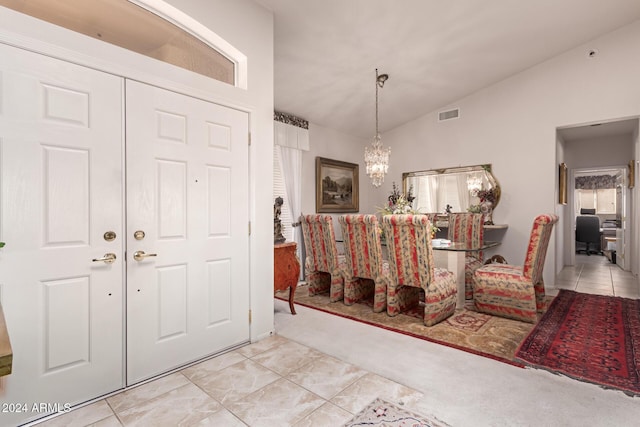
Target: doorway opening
x,y
599,201
598,157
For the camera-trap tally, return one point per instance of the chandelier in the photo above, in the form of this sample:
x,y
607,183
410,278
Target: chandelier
x,y
377,159
474,183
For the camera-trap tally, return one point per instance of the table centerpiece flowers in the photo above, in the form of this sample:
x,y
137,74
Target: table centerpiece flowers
x,y
399,203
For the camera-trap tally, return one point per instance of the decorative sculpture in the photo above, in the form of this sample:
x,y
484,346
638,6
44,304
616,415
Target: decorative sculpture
x,y
277,224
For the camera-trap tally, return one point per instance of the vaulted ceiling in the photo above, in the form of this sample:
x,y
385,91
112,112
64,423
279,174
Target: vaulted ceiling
x,y
435,52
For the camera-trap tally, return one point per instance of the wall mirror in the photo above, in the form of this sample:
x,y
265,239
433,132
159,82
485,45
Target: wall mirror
x,y
456,188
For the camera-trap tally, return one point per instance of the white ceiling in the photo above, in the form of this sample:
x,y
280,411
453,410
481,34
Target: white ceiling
x,y
435,51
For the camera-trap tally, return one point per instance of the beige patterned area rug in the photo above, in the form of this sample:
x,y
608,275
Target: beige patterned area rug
x,y
467,330
381,413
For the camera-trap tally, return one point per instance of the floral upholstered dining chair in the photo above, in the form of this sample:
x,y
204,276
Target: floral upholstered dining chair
x,y
365,270
516,292
412,269
468,228
433,219
324,268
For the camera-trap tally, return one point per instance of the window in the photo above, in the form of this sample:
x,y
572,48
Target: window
x,y
280,190
603,200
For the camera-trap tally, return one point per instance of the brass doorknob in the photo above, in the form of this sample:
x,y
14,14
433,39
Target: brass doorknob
x,y
107,258
140,255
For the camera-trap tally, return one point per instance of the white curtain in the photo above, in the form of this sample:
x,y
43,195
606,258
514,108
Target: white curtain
x,y
419,192
432,189
292,170
440,191
463,192
291,141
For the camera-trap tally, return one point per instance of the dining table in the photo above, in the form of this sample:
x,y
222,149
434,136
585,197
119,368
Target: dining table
x,y
451,255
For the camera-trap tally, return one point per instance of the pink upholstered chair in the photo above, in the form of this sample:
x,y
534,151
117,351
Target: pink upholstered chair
x,y
468,228
323,267
411,267
516,292
365,271
432,216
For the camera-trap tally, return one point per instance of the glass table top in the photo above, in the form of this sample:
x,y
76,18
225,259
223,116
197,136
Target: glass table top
x,y
463,247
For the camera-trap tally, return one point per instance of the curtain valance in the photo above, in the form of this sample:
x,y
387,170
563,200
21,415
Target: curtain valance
x,y
290,119
290,132
595,182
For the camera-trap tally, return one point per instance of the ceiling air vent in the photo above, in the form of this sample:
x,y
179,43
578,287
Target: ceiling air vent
x,y
448,115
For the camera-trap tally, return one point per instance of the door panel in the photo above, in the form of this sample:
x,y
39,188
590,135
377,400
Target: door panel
x,y
61,190
191,297
66,199
66,323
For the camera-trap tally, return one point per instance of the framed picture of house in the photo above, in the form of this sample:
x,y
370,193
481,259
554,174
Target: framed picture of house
x,y
336,186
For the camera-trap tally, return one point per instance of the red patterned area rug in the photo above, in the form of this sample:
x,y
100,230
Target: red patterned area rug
x,y
481,334
384,414
591,338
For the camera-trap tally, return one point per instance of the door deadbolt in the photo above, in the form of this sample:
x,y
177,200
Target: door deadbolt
x,y
109,236
138,235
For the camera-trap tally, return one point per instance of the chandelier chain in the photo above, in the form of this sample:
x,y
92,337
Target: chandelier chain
x,y
377,133
377,159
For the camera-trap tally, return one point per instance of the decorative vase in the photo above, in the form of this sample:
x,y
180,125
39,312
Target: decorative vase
x,y
486,208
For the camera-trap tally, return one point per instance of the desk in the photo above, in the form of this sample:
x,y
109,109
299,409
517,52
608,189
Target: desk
x,y
605,233
452,258
609,249
286,270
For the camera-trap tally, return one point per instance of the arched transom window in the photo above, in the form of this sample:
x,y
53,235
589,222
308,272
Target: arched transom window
x,y
126,24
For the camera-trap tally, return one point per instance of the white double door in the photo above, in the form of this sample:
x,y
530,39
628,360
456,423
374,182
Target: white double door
x,y
85,316
187,193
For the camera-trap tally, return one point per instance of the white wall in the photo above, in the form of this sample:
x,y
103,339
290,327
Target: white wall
x,y
563,233
328,143
246,26
634,199
512,125
599,152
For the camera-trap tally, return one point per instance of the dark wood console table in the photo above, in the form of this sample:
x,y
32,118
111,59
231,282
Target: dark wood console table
x,y
286,269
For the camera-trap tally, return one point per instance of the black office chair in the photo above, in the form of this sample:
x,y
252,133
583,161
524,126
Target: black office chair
x,y
588,232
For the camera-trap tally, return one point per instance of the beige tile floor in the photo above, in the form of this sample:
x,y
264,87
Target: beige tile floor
x,y
275,382
279,382
596,275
